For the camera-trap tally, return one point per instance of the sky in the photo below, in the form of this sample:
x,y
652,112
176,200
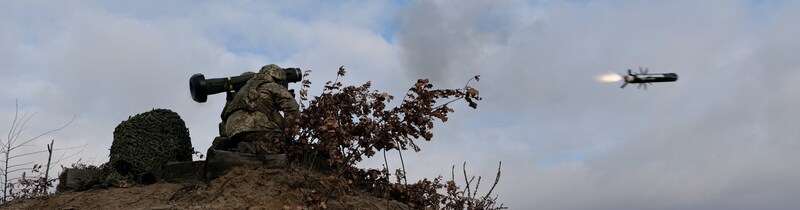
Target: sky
x,y
721,137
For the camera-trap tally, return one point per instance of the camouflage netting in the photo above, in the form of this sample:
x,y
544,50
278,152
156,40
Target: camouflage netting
x,y
146,142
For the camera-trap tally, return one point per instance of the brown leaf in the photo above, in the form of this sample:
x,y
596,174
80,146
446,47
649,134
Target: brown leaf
x,y
472,91
341,71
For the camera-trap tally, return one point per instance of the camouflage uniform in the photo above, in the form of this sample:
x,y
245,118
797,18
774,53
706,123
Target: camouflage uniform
x,y
253,113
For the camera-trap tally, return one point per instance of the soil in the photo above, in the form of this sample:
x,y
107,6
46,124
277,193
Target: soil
x,y
240,188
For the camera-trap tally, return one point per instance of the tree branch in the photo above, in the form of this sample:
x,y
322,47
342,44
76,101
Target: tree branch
x,y
45,133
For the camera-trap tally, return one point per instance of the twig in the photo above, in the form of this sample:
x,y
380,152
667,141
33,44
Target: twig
x,y
62,158
478,184
49,157
496,179
453,173
405,180
221,190
184,189
466,87
386,163
45,133
21,164
386,167
313,158
464,168
20,169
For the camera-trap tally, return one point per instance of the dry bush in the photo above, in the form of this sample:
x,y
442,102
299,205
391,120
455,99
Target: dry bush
x,y
31,186
347,123
12,148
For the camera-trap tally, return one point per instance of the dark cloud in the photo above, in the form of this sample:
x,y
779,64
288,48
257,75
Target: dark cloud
x,y
438,39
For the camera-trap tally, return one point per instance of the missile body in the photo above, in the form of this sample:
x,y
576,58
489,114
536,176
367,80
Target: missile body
x,y
643,78
648,78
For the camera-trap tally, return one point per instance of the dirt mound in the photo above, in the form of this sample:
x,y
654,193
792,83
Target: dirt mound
x,y
240,188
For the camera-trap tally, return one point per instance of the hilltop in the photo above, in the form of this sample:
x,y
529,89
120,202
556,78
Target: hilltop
x,y
240,188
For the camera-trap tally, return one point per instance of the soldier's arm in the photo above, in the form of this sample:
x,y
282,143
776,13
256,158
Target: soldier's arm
x,y
285,102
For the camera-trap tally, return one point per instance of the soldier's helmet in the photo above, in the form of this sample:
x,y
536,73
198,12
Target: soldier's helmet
x,y
274,71
277,74
247,73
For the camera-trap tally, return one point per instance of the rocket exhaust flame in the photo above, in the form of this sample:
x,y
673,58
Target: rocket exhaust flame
x,y
609,77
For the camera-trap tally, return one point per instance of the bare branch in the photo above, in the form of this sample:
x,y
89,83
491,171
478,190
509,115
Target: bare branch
x,y
21,126
19,169
13,142
43,151
405,180
477,185
14,122
453,173
45,133
64,158
21,164
496,180
16,129
26,154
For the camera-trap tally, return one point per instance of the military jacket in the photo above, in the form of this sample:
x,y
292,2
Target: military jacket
x,y
256,106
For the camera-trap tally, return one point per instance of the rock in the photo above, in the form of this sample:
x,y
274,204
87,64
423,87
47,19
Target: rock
x,y
76,177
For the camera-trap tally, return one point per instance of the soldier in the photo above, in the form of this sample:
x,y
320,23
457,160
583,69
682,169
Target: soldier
x,y
251,121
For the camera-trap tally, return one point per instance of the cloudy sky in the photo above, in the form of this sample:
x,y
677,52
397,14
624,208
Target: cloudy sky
x,y
722,137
